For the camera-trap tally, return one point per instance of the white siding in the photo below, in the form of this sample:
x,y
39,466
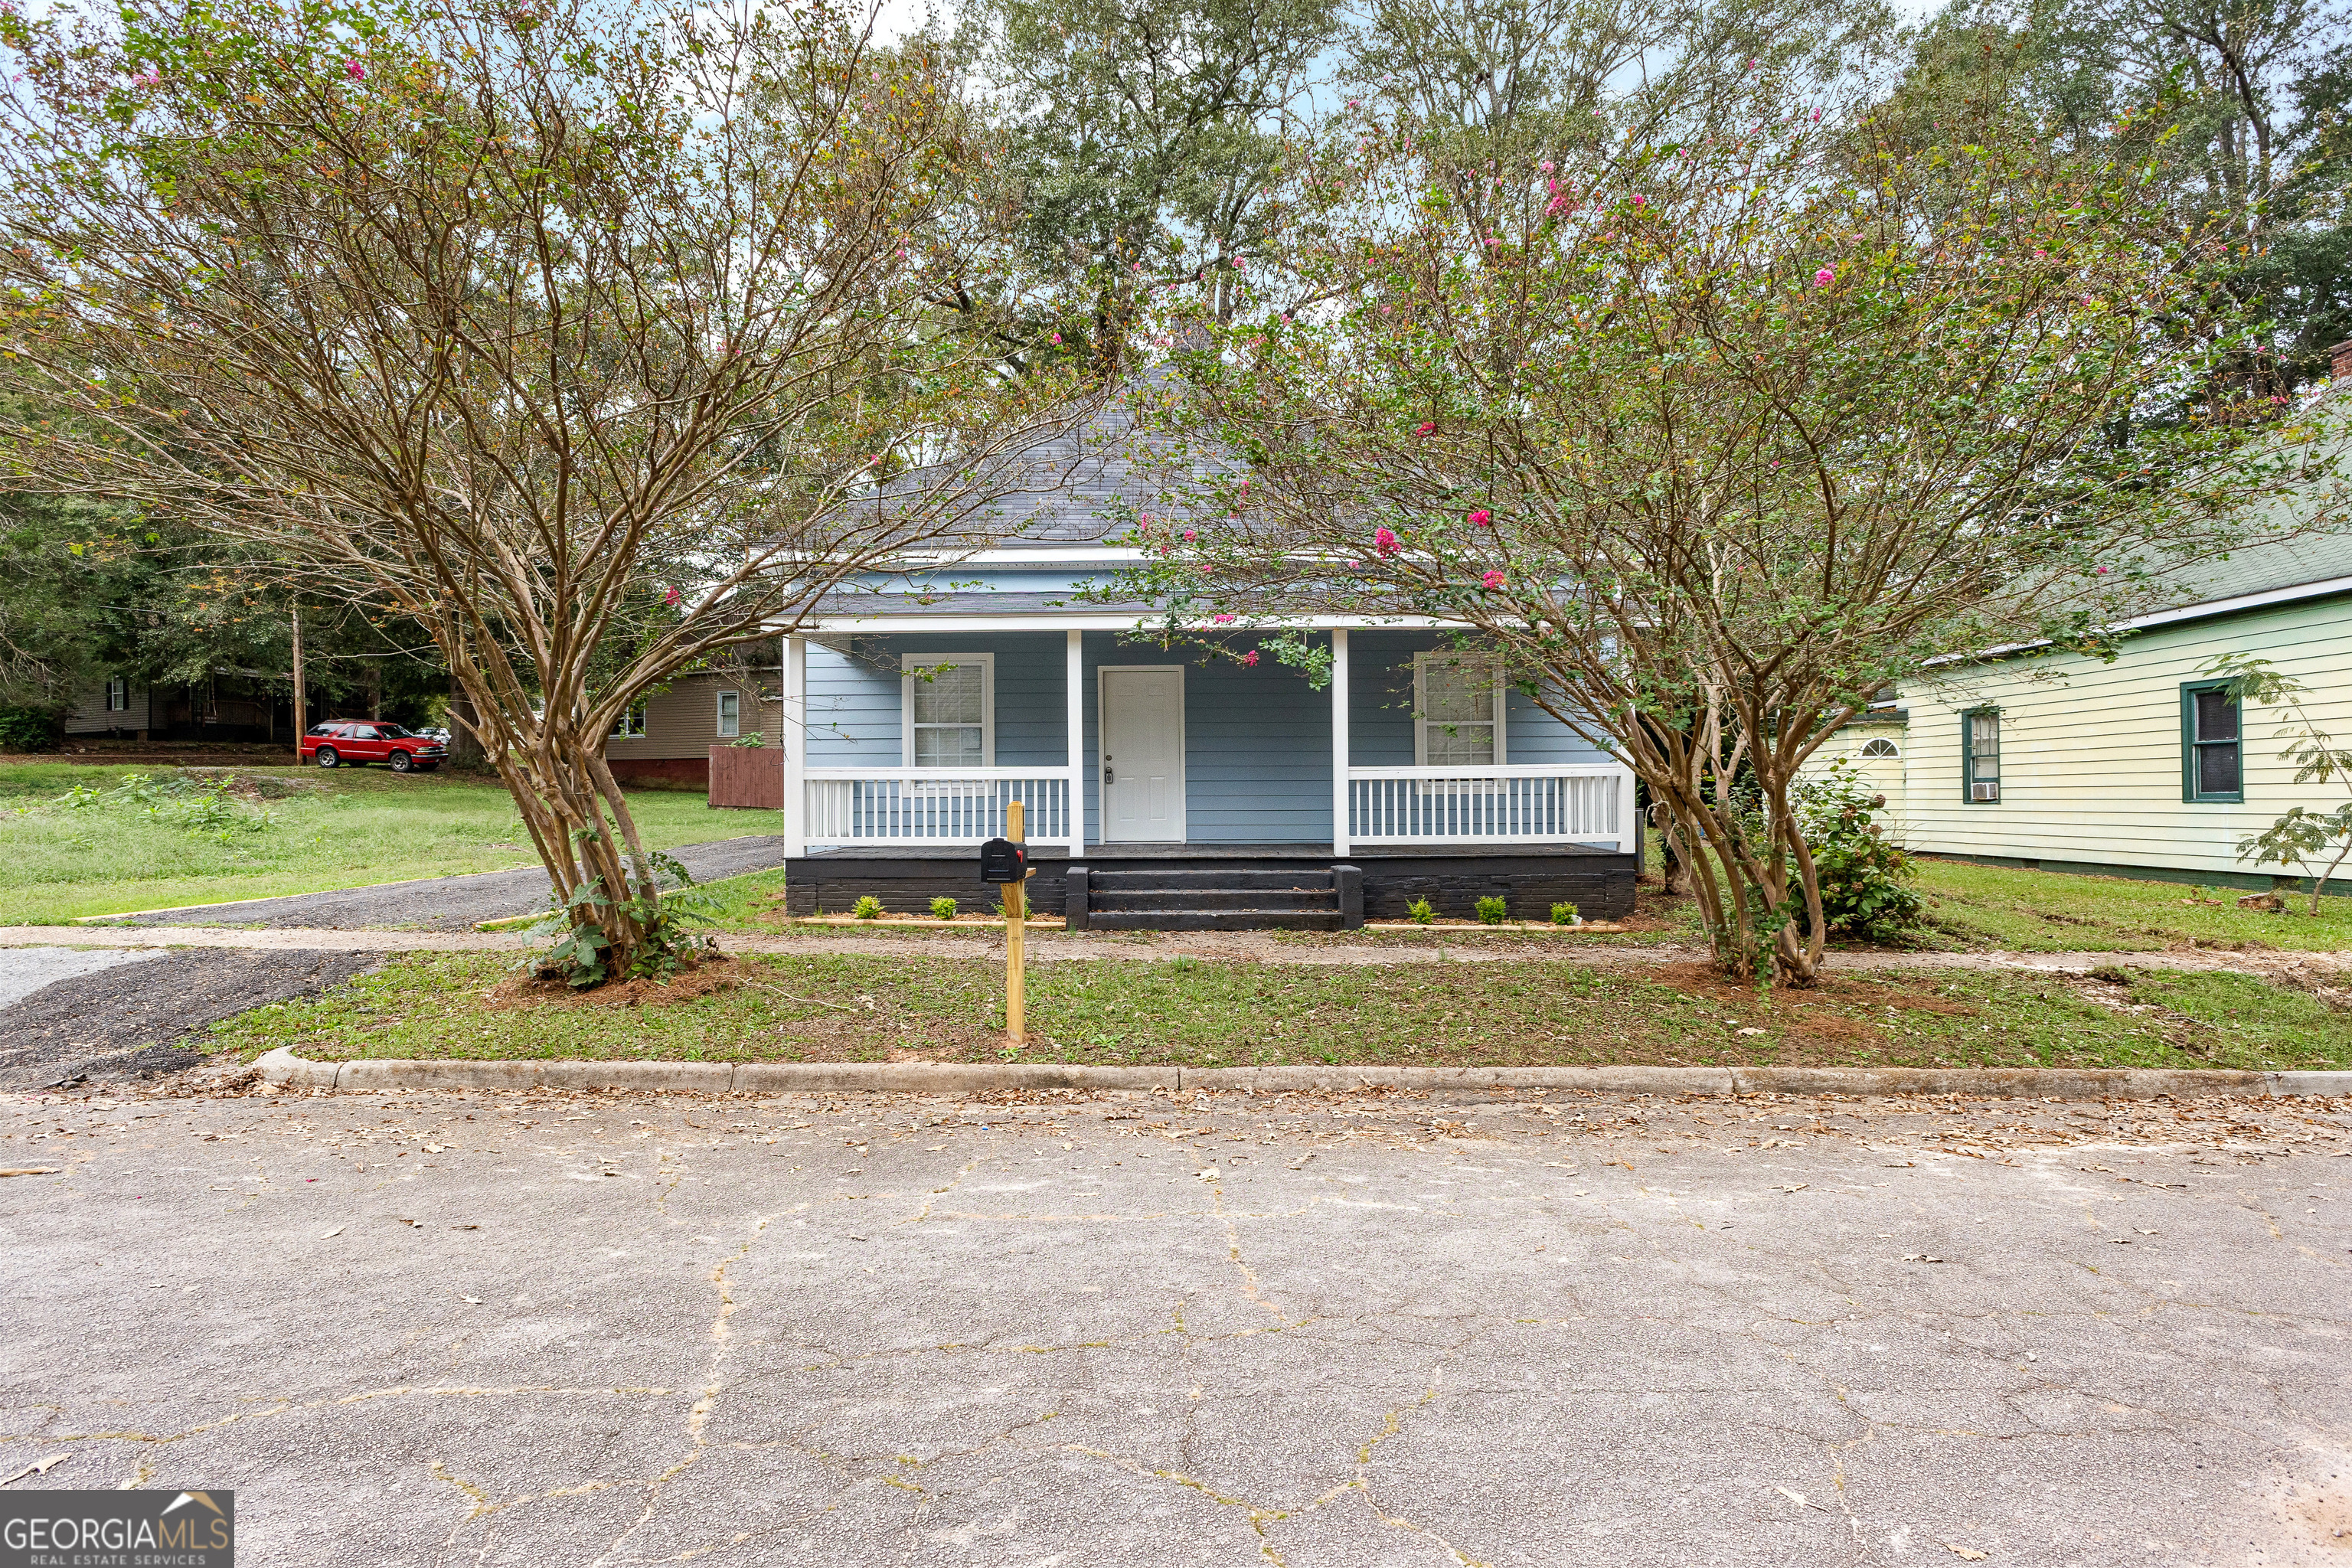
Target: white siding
x,y
2090,751
1883,774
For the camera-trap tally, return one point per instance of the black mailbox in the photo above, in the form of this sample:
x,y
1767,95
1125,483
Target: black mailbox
x,y
1002,860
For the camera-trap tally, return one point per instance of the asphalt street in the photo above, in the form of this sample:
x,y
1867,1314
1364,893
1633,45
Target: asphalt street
x,y
1084,1330
450,903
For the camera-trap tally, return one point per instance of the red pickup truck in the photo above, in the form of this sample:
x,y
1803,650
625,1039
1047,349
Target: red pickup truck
x,y
348,743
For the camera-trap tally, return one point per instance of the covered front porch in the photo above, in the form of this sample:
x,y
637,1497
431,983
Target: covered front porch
x,y
1157,772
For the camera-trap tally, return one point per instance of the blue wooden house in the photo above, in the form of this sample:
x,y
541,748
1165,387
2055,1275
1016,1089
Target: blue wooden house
x,y
1162,788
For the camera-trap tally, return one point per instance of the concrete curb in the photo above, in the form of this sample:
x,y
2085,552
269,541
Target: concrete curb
x,y
283,1068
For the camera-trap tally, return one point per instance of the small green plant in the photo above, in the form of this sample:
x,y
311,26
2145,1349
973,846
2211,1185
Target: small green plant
x,y
1420,913
1865,881
750,742
867,908
1563,914
30,729
943,909
1493,911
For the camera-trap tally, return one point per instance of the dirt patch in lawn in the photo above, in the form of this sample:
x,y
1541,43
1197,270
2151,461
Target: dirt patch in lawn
x,y
707,979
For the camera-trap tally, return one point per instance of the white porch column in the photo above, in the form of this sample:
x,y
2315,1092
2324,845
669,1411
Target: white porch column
x,y
1074,659
1629,823
796,738
1340,743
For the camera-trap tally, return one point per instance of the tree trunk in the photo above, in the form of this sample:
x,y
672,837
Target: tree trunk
x,y
464,742
585,837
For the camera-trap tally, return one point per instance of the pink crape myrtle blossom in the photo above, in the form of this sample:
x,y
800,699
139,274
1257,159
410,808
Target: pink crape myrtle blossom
x,y
1426,427
1824,277
356,72
1492,580
1481,518
1249,658
1189,535
1223,620
1385,543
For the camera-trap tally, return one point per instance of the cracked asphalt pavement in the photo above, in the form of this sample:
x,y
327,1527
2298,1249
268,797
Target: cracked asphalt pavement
x,y
1303,1329
449,903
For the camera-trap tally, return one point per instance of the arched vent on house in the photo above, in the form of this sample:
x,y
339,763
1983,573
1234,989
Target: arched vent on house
x,y
1879,748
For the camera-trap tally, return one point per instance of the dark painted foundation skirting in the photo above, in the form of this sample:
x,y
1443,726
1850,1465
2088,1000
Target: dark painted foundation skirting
x,y
1529,881
2256,881
683,771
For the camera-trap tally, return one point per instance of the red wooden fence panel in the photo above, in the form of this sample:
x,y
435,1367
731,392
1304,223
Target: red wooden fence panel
x,y
751,777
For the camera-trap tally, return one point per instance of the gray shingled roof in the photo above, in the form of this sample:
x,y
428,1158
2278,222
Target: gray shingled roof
x,y
2263,569
1084,477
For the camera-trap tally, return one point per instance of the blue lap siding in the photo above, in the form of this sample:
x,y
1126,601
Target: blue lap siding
x,y
1258,740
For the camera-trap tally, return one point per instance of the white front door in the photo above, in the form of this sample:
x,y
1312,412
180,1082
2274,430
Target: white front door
x,y
1143,755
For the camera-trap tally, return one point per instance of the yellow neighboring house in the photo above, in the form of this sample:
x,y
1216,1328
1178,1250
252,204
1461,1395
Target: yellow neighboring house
x,y
2137,767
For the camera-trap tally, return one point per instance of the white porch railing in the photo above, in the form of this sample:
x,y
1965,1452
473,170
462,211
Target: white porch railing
x,y
1587,803
931,808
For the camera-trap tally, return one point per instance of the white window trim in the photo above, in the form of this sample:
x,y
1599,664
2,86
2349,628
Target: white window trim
x,y
1421,704
910,662
1891,753
621,726
718,713
118,683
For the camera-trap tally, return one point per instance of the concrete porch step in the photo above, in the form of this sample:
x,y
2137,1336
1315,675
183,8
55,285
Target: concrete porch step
x,y
1220,881
1106,900
1214,919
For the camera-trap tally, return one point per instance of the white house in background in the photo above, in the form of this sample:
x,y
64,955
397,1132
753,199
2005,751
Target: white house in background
x,y
2139,767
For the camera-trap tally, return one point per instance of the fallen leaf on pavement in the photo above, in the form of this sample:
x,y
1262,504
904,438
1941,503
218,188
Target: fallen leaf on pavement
x,y
31,1171
331,1236
1963,1554
471,1301
38,1467
1921,1257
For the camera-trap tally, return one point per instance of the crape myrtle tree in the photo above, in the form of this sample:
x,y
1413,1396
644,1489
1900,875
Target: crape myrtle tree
x,y
1713,436
555,328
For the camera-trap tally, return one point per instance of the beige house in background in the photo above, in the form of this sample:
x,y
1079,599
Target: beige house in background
x,y
2142,766
668,739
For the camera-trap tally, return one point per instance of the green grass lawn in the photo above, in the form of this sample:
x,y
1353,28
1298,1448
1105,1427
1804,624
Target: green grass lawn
x,y
1210,1013
290,830
2052,912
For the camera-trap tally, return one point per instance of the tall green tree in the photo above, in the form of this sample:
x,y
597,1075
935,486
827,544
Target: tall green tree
x,y
1136,140
557,330
2239,107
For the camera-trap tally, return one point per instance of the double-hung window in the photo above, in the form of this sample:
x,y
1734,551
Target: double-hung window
x,y
949,704
631,725
1457,710
1981,750
2211,758
118,695
730,715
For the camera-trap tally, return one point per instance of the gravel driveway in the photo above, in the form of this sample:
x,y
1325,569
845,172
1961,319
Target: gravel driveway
x,y
114,1018
450,903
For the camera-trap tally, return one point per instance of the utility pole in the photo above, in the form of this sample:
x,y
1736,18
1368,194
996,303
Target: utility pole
x,y
301,712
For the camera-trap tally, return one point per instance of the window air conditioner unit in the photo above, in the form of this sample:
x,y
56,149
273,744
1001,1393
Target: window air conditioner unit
x,y
1984,792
